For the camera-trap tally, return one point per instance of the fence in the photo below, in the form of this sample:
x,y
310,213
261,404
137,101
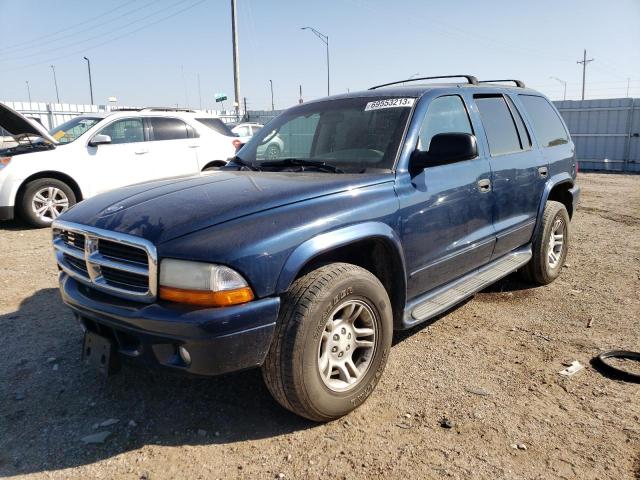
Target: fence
x,y
605,132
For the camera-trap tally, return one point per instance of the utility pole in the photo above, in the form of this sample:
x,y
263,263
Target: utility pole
x,y
28,92
246,114
90,82
199,92
584,62
55,81
236,57
271,83
628,81
300,99
324,39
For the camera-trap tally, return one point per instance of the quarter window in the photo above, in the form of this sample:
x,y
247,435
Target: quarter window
x,y
169,129
499,126
445,115
546,123
127,130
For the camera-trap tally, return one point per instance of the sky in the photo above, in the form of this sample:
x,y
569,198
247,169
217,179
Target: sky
x,y
147,52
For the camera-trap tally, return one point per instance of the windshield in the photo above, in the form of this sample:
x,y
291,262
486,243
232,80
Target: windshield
x,y
72,129
352,134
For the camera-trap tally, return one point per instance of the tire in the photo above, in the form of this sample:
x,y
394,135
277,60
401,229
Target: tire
x,y
36,196
546,264
272,152
301,369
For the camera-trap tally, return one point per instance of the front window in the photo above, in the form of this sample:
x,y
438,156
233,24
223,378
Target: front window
x,y
353,134
126,130
72,129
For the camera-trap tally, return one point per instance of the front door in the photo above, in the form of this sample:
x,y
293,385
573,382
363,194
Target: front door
x,y
446,210
123,161
519,171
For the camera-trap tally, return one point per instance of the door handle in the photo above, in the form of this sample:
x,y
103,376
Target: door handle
x,y
140,152
543,172
484,185
194,146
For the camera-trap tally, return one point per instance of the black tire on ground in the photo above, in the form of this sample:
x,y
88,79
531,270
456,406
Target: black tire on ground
x,y
216,165
291,369
26,201
539,270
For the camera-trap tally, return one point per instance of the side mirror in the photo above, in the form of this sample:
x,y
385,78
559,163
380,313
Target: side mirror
x,y
99,140
446,148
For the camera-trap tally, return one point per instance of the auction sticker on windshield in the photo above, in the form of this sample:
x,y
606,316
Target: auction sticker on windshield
x,y
389,103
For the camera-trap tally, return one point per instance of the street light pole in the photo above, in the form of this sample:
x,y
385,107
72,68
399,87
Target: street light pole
x,y
90,82
28,92
55,82
564,84
324,39
271,83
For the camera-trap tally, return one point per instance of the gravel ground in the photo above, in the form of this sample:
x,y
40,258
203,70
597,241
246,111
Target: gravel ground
x,y
490,367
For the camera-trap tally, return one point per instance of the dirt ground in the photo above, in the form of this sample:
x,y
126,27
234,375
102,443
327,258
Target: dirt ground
x,y
490,366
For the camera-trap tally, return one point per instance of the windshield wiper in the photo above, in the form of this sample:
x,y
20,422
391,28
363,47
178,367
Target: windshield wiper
x,y
297,162
238,161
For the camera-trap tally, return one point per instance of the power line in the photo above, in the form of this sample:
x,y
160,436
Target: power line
x,y
76,52
98,17
95,37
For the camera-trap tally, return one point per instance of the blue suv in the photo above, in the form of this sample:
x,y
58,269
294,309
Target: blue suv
x,y
385,208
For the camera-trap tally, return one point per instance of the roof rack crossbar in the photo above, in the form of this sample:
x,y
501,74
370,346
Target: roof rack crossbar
x,y
518,83
470,79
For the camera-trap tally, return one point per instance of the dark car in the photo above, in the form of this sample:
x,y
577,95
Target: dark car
x,y
386,208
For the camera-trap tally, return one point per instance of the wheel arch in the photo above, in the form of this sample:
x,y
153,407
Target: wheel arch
x,y
214,163
63,177
558,188
374,246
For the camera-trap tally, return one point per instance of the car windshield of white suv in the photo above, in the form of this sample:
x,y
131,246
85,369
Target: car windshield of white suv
x,y
72,129
349,135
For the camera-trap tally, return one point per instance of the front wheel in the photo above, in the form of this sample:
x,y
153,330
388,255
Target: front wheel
x,y
550,245
44,200
332,342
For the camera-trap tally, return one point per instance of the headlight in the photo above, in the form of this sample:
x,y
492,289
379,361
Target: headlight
x,y
203,284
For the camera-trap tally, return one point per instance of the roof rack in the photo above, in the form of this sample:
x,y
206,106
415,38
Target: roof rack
x,y
470,79
518,83
125,109
166,109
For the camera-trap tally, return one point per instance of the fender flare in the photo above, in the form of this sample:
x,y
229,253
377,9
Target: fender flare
x,y
327,241
553,182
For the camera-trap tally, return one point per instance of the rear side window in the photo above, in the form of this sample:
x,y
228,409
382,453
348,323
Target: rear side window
x,y
499,126
216,125
168,129
546,123
445,115
525,139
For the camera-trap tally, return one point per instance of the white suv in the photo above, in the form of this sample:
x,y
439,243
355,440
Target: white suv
x,y
40,177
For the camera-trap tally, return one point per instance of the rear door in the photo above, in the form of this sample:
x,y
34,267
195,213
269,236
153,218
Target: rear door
x,y
446,212
173,147
519,171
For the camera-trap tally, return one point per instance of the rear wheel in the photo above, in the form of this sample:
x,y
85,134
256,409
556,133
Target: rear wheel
x,y
550,246
332,342
44,199
272,152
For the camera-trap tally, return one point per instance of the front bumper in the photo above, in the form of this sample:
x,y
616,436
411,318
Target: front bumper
x,y
219,340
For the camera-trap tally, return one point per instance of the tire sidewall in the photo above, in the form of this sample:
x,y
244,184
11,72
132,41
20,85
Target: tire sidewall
x,y
326,402
553,273
27,199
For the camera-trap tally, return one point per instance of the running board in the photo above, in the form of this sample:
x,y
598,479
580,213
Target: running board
x,y
440,300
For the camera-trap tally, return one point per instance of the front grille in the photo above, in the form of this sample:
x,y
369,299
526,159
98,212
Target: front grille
x,y
119,264
119,251
122,279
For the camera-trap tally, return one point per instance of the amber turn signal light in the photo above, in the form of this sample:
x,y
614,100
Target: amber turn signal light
x,y
224,298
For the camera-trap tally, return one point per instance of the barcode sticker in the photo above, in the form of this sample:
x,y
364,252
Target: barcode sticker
x,y
390,103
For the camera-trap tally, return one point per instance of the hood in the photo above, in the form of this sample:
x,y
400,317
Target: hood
x,y
17,124
163,210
